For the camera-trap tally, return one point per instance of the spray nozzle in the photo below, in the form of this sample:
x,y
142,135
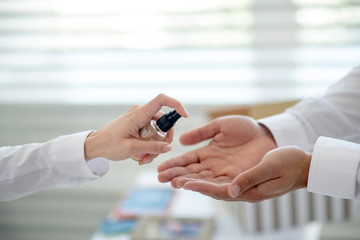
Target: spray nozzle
x,y
168,120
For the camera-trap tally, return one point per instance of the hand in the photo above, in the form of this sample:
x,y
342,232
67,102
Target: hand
x,y
280,171
238,143
120,139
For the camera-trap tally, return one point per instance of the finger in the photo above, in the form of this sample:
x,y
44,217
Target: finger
x,y
179,182
205,175
154,147
133,108
272,186
151,108
215,190
148,158
249,179
172,173
180,161
194,171
269,189
200,134
169,136
138,157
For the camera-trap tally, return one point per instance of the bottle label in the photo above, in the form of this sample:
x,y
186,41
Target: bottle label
x,y
143,132
145,135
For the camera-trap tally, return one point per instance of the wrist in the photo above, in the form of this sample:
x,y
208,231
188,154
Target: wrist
x,y
267,134
91,147
307,161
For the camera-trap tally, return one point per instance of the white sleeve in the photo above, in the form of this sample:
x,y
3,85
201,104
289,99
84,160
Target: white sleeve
x,y
33,167
335,115
334,168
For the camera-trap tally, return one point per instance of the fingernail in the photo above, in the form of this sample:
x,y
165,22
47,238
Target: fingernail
x,y
187,113
148,161
166,148
234,191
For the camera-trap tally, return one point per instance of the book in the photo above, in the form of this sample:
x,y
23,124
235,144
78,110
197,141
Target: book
x,y
173,228
143,201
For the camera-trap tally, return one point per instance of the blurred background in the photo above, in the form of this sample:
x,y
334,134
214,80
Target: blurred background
x,y
73,65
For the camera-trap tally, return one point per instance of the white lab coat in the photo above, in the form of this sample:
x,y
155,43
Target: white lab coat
x,y
320,125
29,168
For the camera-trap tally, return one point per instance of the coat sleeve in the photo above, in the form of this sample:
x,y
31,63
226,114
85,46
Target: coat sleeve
x,y
334,168
29,168
336,114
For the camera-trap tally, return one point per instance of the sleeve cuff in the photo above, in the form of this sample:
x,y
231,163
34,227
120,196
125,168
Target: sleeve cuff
x,y
68,158
287,130
334,168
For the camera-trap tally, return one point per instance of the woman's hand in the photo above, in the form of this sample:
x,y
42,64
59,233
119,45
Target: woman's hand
x,y
120,139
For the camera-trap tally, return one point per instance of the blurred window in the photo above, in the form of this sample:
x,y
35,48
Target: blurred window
x,y
202,52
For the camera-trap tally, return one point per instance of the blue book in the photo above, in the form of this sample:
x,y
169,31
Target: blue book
x,y
145,201
110,226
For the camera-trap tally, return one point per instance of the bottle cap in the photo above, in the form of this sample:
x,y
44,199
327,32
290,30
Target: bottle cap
x,y
168,120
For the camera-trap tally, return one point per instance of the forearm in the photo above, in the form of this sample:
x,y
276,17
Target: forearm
x,y
336,114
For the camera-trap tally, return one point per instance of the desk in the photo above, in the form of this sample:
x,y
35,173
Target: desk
x,y
226,228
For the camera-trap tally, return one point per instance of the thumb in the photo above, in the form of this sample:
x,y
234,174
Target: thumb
x,y
249,179
153,147
201,134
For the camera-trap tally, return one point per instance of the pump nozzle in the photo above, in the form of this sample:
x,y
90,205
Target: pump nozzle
x,y
168,120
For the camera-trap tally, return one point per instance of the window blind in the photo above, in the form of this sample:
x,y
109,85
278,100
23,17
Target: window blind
x,y
202,52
